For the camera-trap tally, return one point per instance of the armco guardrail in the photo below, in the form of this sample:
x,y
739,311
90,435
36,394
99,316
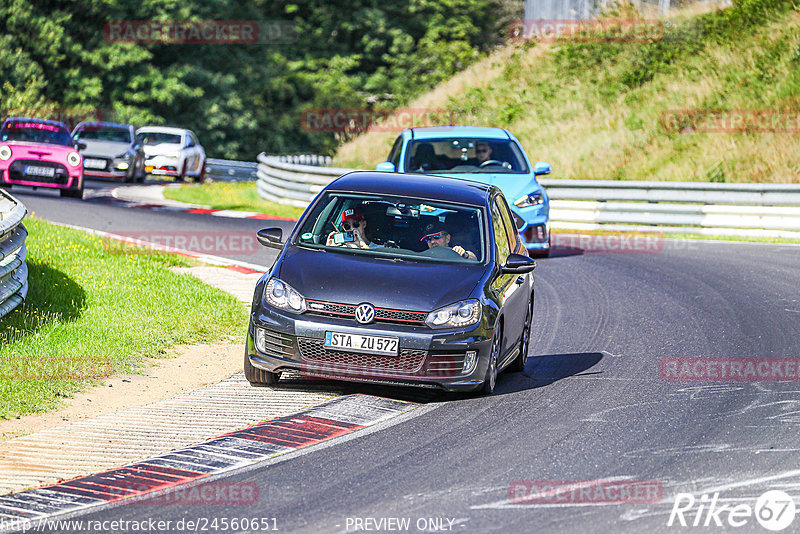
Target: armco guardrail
x,y
282,180
13,270
230,170
240,171
756,210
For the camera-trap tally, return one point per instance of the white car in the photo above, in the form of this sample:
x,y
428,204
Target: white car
x,y
172,152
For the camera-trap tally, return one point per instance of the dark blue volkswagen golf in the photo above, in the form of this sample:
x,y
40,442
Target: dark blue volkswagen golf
x,y
395,278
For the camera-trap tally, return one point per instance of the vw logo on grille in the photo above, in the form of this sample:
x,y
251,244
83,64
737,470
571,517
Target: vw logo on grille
x,y
365,313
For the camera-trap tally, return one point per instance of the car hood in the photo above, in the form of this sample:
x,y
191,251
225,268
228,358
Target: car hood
x,y
161,149
513,186
353,279
107,149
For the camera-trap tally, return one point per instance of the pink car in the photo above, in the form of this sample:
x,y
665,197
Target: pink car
x,y
40,153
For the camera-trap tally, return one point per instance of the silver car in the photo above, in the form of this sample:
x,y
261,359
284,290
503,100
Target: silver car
x,y
111,151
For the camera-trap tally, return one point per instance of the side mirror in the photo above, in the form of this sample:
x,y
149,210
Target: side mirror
x,y
518,264
542,168
270,237
385,166
80,145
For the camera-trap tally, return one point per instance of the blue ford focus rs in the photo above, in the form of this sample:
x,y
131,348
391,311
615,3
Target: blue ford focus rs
x,y
491,156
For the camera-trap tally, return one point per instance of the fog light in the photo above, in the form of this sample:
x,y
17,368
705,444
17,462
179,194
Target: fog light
x,y
122,166
261,341
470,361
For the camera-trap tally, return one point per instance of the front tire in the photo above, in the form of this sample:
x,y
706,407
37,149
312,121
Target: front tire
x,y
200,178
522,358
490,381
258,377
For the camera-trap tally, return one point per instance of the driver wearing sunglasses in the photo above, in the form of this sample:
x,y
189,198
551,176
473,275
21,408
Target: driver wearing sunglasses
x,y
483,152
437,235
352,220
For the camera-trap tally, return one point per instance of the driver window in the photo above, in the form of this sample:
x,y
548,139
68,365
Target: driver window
x,y
189,142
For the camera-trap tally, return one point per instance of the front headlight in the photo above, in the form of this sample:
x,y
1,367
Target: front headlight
x,y
74,159
5,152
464,313
283,296
123,161
531,199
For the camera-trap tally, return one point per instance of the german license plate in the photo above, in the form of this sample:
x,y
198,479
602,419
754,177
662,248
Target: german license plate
x,y
94,163
31,170
359,343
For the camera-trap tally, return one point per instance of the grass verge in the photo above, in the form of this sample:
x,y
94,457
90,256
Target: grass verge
x,y
242,196
94,310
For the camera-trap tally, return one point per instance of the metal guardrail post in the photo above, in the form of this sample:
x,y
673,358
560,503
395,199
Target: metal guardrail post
x,y
13,270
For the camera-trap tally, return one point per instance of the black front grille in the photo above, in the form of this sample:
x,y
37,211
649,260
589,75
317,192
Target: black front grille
x,y
444,364
382,315
17,172
409,361
275,344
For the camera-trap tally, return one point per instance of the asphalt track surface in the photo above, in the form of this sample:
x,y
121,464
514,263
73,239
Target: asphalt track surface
x,y
591,404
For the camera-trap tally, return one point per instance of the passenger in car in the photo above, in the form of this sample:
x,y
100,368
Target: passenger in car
x,y
353,221
425,159
436,234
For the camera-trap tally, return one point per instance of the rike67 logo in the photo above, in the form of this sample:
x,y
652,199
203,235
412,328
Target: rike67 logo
x,y
774,510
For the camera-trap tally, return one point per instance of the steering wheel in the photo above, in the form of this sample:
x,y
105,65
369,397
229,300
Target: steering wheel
x,y
492,162
441,252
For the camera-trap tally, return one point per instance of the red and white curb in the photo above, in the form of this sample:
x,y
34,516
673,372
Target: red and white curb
x,y
236,450
151,198
235,265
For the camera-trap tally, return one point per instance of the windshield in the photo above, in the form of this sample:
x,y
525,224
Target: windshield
x,y
465,155
157,138
36,132
103,133
398,228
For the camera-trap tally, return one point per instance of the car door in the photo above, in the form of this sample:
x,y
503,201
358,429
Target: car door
x,y
510,288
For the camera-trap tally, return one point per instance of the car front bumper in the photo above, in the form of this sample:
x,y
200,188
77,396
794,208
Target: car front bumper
x,y
427,358
69,179
163,166
535,233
